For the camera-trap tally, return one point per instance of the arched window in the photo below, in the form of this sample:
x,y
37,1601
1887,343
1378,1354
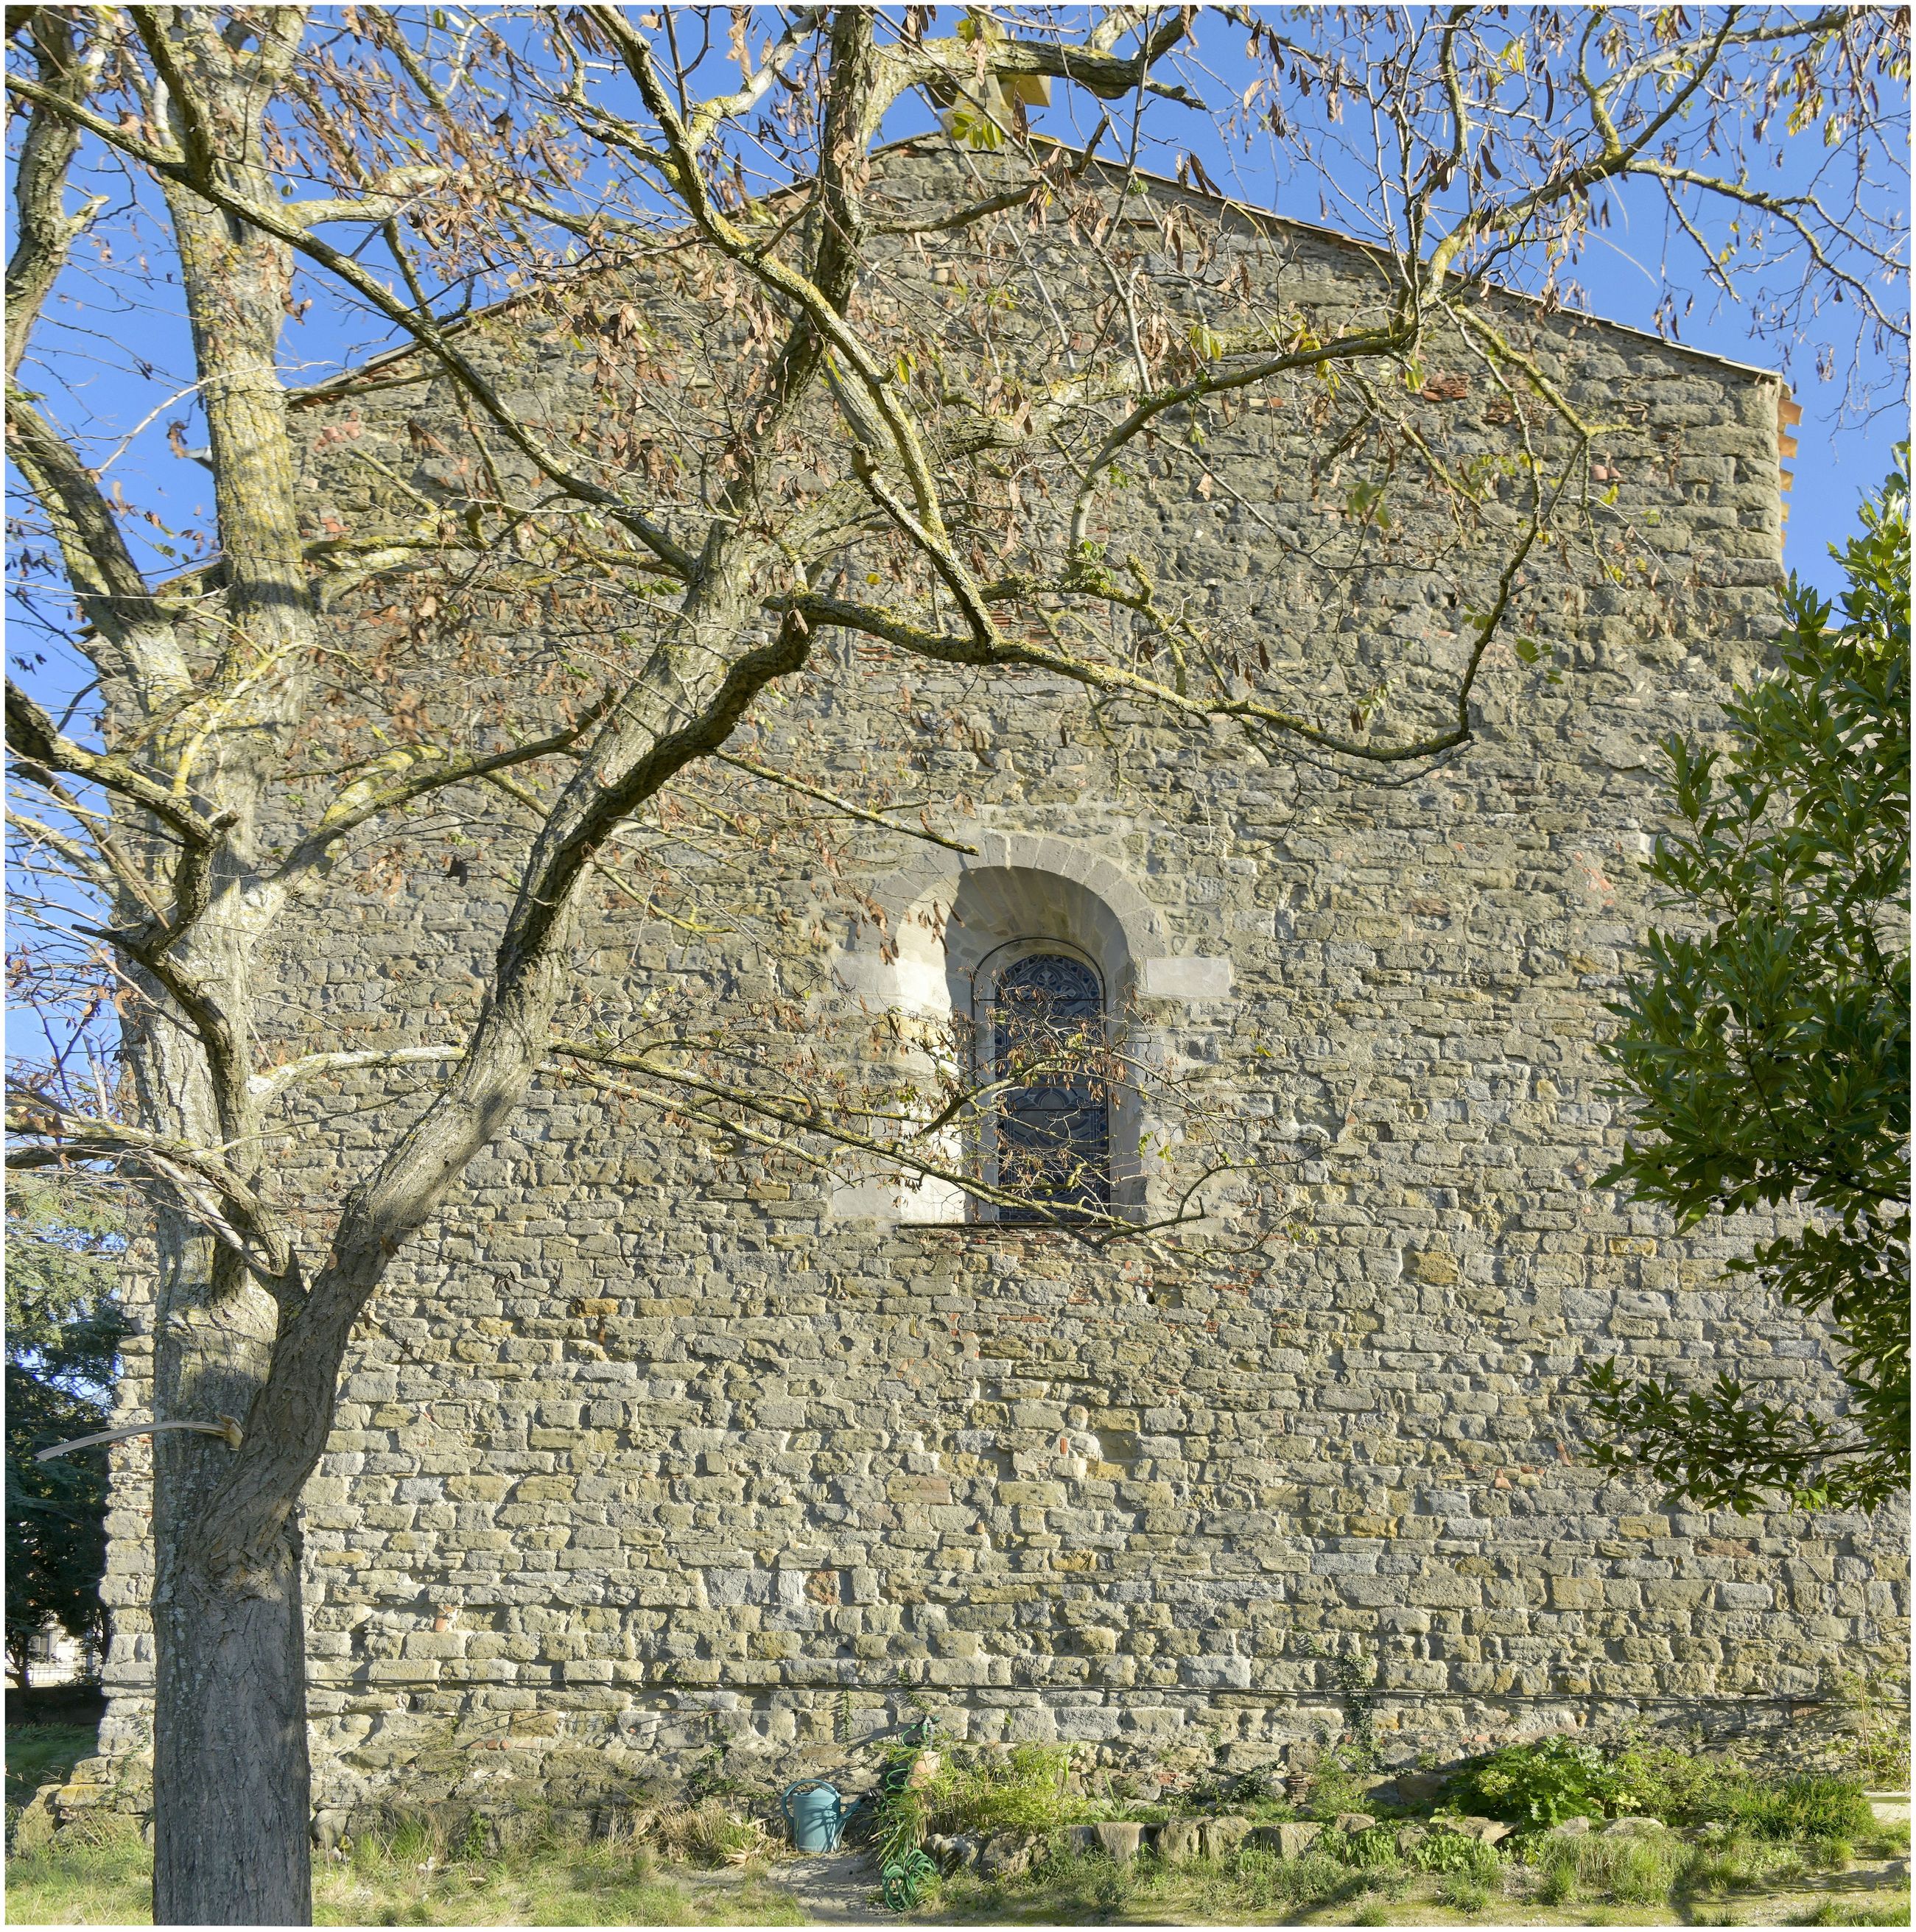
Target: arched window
x,y
1051,1123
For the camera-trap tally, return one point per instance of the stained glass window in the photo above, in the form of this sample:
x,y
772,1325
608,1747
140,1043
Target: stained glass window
x,y
1052,1124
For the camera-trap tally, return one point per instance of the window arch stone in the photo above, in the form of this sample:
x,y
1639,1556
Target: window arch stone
x,y
942,917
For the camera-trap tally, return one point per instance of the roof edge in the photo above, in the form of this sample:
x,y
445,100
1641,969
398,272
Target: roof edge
x,y
366,375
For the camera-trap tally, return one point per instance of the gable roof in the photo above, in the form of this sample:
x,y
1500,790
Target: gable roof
x,y
370,374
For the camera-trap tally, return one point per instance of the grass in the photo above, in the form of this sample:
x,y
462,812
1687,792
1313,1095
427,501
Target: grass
x,y
404,1880
104,1879
1065,1888
1644,1870
409,1878
1857,1912
1745,1836
1595,1878
1361,1872
603,1883
37,1754
705,1833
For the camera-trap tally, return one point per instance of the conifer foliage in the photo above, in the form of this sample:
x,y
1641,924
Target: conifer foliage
x,y
63,1337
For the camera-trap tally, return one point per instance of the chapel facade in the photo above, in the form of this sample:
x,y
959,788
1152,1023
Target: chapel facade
x,y
646,1450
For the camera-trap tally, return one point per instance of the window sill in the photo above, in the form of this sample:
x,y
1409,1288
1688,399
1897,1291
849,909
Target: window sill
x,y
989,1229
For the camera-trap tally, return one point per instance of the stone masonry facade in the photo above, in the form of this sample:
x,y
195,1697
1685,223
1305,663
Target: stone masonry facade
x,y
645,1451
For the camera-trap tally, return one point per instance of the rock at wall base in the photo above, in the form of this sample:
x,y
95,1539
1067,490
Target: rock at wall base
x,y
953,1854
1485,1831
1180,1841
330,1829
1120,1842
1222,1836
1007,1855
1286,1841
33,1829
1418,1789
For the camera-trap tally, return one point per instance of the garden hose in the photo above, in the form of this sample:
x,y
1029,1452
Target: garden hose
x,y
903,1878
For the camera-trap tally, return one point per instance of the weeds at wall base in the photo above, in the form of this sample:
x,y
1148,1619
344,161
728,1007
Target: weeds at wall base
x,y
103,1877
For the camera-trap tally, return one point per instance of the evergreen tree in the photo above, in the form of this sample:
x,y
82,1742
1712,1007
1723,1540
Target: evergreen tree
x,y
1767,1047
63,1336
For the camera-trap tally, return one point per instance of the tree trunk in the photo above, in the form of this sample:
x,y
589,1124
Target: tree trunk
x,y
231,1772
231,1842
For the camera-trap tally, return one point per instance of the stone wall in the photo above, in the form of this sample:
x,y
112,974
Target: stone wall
x,y
645,1449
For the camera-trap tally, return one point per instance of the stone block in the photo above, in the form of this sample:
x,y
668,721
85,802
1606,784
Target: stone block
x,y
1007,1855
1178,1840
1222,1835
1186,977
33,1829
1418,1789
1485,1831
1111,1840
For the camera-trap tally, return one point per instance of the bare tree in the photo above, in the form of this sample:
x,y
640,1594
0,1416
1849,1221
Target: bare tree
x,y
832,398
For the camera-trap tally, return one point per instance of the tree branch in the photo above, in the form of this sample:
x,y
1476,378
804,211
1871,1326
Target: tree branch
x,y
32,735
44,232
411,772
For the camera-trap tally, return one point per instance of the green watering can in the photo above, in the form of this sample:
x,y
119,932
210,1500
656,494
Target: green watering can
x,y
815,1814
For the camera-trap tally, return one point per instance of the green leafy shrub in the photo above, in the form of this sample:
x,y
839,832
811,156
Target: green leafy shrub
x,y
1376,1847
1024,1790
1336,1787
1765,1050
65,1238
1542,1783
1681,1787
1453,1851
1689,1789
